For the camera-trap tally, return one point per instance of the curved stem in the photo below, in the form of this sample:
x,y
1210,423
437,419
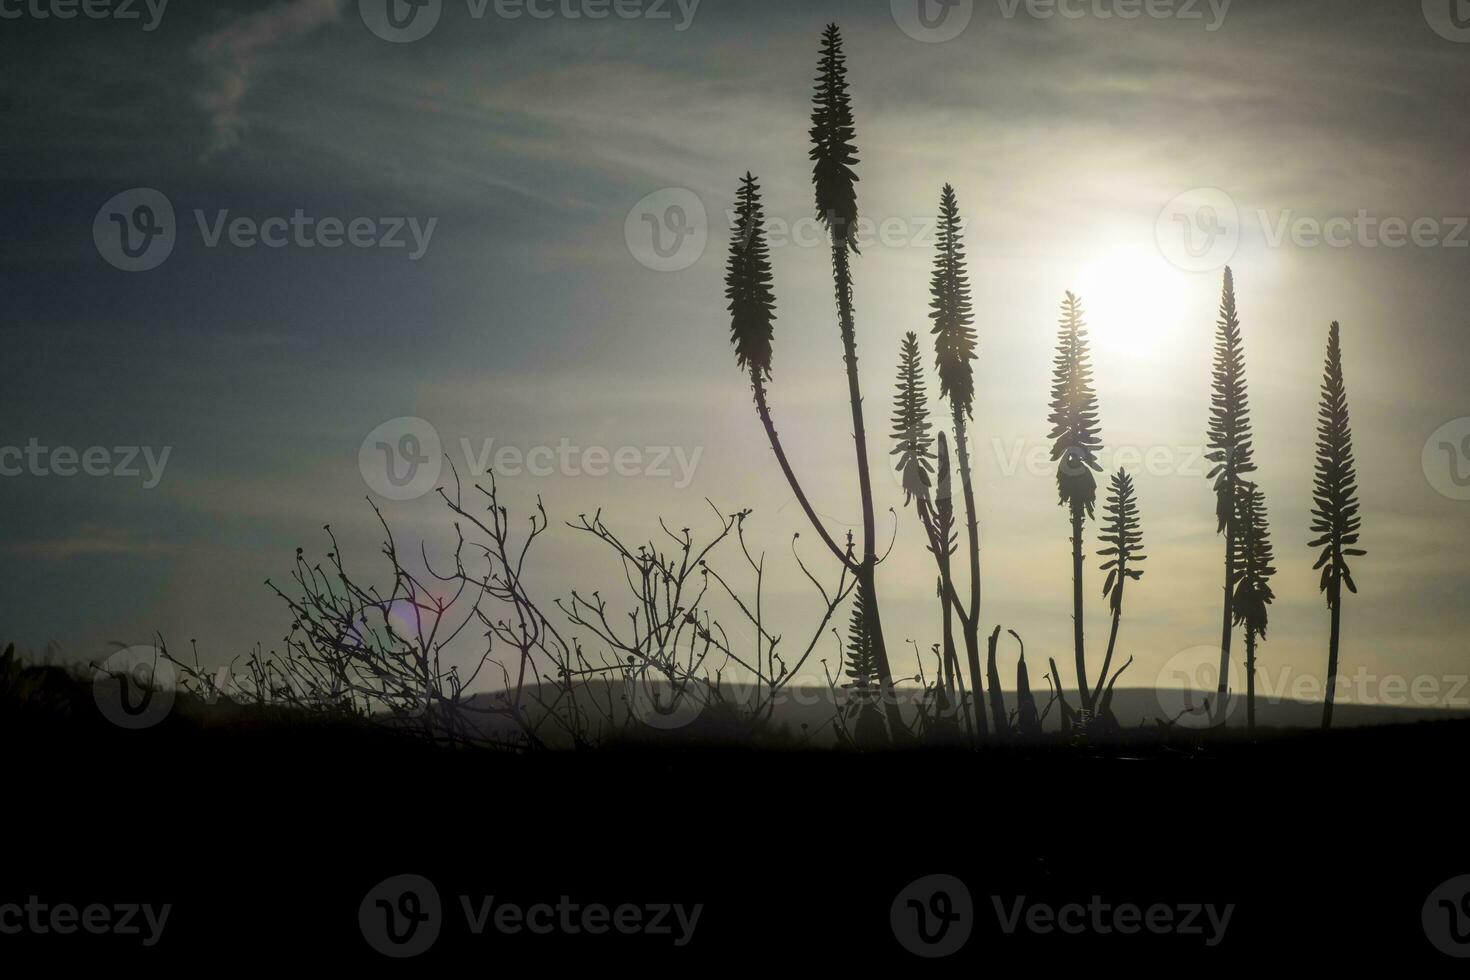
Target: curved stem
x,y
764,411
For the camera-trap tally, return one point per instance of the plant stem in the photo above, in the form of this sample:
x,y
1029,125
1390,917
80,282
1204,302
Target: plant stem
x,y
1332,659
1083,691
1222,690
1250,679
1112,640
970,621
764,411
842,283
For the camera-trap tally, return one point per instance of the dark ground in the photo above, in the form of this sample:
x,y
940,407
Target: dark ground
x,y
266,838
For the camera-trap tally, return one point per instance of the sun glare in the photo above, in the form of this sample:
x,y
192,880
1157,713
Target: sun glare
x,y
1134,300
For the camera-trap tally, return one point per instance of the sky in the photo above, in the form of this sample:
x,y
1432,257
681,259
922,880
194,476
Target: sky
x,y
370,226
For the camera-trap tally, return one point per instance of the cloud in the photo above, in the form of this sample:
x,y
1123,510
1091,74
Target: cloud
x,y
89,540
231,56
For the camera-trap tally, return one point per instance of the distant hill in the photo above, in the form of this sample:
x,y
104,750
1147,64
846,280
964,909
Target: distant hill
x,y
806,714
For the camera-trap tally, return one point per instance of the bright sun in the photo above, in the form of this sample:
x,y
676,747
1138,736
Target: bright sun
x,y
1134,300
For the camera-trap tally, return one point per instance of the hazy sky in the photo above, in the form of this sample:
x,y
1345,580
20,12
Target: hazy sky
x,y
521,149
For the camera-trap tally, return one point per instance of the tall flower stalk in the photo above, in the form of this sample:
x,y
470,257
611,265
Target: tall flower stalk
x,y
913,445
1075,444
833,155
1253,593
1335,516
862,685
954,348
1122,532
752,306
1230,450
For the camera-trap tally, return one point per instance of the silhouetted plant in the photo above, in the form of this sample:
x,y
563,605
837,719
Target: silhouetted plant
x,y
1335,517
1028,721
992,677
912,445
954,348
1253,572
1075,443
1122,532
752,309
748,283
833,155
1230,450
912,440
862,674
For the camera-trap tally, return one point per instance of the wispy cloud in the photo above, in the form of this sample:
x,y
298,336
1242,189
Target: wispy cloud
x,y
89,540
231,55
